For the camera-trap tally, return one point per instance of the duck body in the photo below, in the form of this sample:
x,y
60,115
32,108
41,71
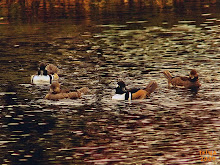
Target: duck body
x,y
190,82
56,93
134,93
123,96
41,79
63,95
185,82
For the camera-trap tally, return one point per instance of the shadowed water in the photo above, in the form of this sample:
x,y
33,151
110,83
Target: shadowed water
x,y
170,127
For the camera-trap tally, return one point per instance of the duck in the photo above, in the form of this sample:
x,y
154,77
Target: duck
x,y
45,75
188,82
135,93
56,93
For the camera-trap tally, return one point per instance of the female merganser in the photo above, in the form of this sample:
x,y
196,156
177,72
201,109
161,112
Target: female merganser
x,y
190,82
56,93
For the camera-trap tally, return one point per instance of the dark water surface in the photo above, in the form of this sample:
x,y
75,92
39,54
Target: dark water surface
x,y
171,127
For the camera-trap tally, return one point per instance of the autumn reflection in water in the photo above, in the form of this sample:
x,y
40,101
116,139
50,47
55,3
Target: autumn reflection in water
x,y
95,44
45,10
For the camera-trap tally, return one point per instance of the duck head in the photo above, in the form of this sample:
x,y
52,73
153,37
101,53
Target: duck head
x,y
120,89
193,76
42,69
42,66
51,69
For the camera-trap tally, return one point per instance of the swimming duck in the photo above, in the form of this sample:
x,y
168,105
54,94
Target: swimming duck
x,y
56,93
45,76
190,82
133,94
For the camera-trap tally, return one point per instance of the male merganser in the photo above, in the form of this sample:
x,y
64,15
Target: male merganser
x,y
45,75
133,94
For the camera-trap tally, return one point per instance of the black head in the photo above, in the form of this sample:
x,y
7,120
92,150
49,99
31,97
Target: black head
x,y
42,66
42,70
120,89
121,84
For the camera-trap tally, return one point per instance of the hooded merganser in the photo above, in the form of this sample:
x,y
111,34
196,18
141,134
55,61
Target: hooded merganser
x,y
56,93
189,82
45,75
133,94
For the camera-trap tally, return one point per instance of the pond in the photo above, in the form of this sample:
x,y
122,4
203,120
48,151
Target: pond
x,y
134,44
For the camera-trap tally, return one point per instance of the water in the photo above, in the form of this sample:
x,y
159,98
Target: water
x,y
170,127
